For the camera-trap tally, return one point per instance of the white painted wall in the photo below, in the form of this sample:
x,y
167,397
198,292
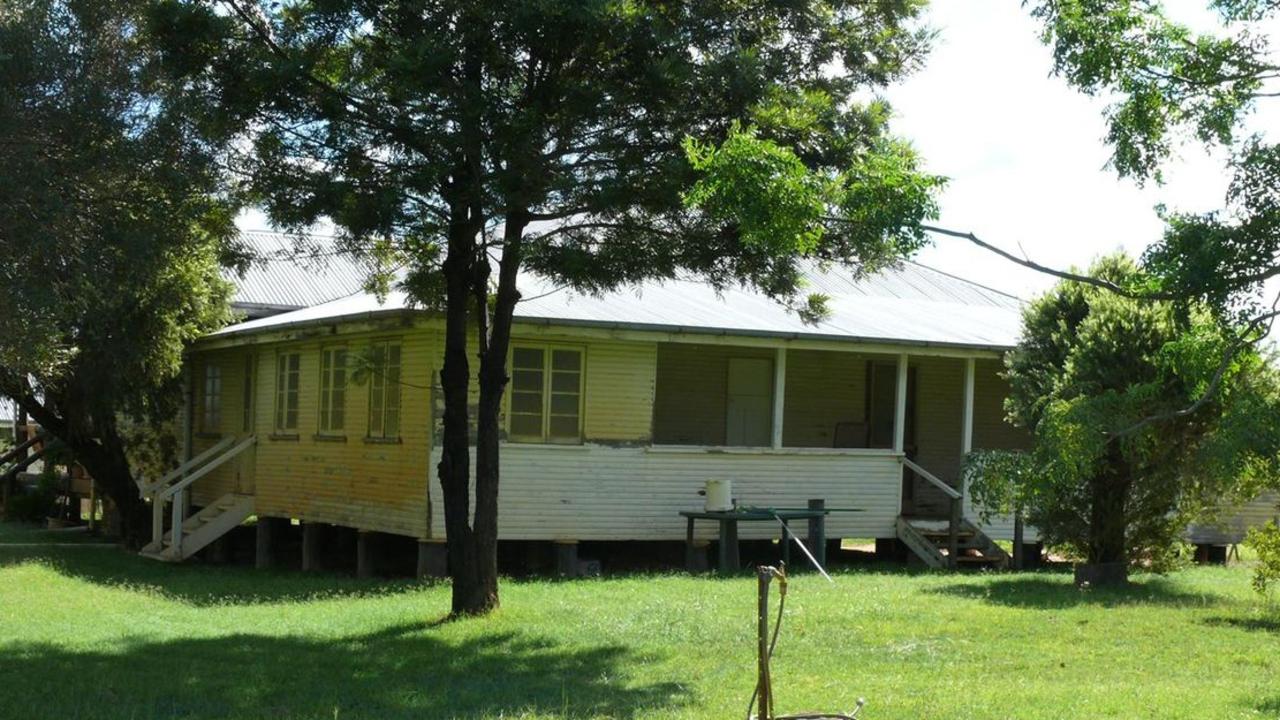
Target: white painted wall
x,y
596,492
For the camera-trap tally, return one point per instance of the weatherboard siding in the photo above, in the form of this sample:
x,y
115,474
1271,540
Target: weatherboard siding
x,y
346,479
596,492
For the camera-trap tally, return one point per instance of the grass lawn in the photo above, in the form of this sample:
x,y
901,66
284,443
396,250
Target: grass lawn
x,y
90,632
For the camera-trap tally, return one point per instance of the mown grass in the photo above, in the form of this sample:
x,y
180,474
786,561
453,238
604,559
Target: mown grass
x,y
97,633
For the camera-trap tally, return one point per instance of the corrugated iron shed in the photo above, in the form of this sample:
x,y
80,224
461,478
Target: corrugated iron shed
x,y
909,304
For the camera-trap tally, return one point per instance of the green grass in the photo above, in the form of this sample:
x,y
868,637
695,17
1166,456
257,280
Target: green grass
x,y
97,633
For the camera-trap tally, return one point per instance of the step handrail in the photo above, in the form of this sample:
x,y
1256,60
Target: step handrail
x,y
13,454
156,486
933,480
209,467
175,492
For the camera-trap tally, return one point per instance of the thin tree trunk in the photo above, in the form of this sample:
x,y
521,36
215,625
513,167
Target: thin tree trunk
x,y
455,459
493,382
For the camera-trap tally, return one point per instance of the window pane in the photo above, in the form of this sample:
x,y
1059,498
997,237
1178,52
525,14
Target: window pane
x,y
566,360
527,358
564,404
526,402
294,361
526,425
565,381
564,426
527,380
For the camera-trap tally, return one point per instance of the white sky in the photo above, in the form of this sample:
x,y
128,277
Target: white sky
x,y
1025,151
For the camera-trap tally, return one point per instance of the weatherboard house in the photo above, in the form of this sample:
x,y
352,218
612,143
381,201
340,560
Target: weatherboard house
x,y
620,408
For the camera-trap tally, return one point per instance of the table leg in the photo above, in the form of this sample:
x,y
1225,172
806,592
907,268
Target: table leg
x,y
729,561
688,546
785,542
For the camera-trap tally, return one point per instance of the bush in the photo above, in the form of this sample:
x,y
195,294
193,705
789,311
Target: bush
x,y
1265,541
36,503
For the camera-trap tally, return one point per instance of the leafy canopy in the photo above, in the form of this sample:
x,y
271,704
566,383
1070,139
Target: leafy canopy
x,y
1171,85
111,225
629,140
1091,370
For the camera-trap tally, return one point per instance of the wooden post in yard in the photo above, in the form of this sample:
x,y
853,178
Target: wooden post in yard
x,y
764,698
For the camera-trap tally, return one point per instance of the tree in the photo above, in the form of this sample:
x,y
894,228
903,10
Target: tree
x,y
1091,366
110,230
1172,84
595,143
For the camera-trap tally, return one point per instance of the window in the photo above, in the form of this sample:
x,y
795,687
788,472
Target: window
x,y
287,374
211,418
546,394
250,367
333,390
384,390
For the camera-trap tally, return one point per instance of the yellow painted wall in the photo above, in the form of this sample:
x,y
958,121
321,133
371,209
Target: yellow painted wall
x,y
348,479
237,474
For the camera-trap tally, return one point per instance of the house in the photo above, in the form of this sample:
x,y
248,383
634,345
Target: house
x,y
620,408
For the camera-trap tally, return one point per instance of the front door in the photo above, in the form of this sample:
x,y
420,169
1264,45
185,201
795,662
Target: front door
x,y
882,395
749,405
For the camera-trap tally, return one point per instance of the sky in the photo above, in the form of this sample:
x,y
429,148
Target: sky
x,y
1025,153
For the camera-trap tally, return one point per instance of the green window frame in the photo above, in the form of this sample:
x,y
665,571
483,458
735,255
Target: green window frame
x,y
288,377
546,399
333,390
384,389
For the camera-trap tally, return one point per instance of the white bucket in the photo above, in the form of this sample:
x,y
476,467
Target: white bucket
x,y
719,495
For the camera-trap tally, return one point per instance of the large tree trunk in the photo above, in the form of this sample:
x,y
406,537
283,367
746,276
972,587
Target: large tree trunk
x,y
97,446
1108,517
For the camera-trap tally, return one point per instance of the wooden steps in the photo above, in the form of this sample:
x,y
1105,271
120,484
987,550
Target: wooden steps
x,y
204,527
929,540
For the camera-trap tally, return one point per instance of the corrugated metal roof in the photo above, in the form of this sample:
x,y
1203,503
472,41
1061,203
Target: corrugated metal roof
x,y
907,304
294,272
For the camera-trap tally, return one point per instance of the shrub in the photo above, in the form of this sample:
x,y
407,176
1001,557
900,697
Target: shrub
x,y
1265,541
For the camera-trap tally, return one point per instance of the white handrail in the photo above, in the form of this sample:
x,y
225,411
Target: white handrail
x,y
933,479
208,468
172,475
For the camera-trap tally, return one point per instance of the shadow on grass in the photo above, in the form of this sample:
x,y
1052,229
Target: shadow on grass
x,y
1253,624
197,584
403,671
1056,592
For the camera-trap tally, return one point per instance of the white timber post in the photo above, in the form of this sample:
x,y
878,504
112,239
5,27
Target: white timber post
x,y
779,394
966,431
900,408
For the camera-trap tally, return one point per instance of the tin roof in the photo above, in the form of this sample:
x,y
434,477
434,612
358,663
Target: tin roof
x,y
907,304
291,272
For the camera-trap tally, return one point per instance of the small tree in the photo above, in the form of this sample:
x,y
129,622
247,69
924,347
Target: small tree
x,y
595,143
1118,467
1265,541
110,230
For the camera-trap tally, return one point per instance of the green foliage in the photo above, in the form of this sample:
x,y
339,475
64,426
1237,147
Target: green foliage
x,y
111,226
1172,85
1103,382
1265,541
35,503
